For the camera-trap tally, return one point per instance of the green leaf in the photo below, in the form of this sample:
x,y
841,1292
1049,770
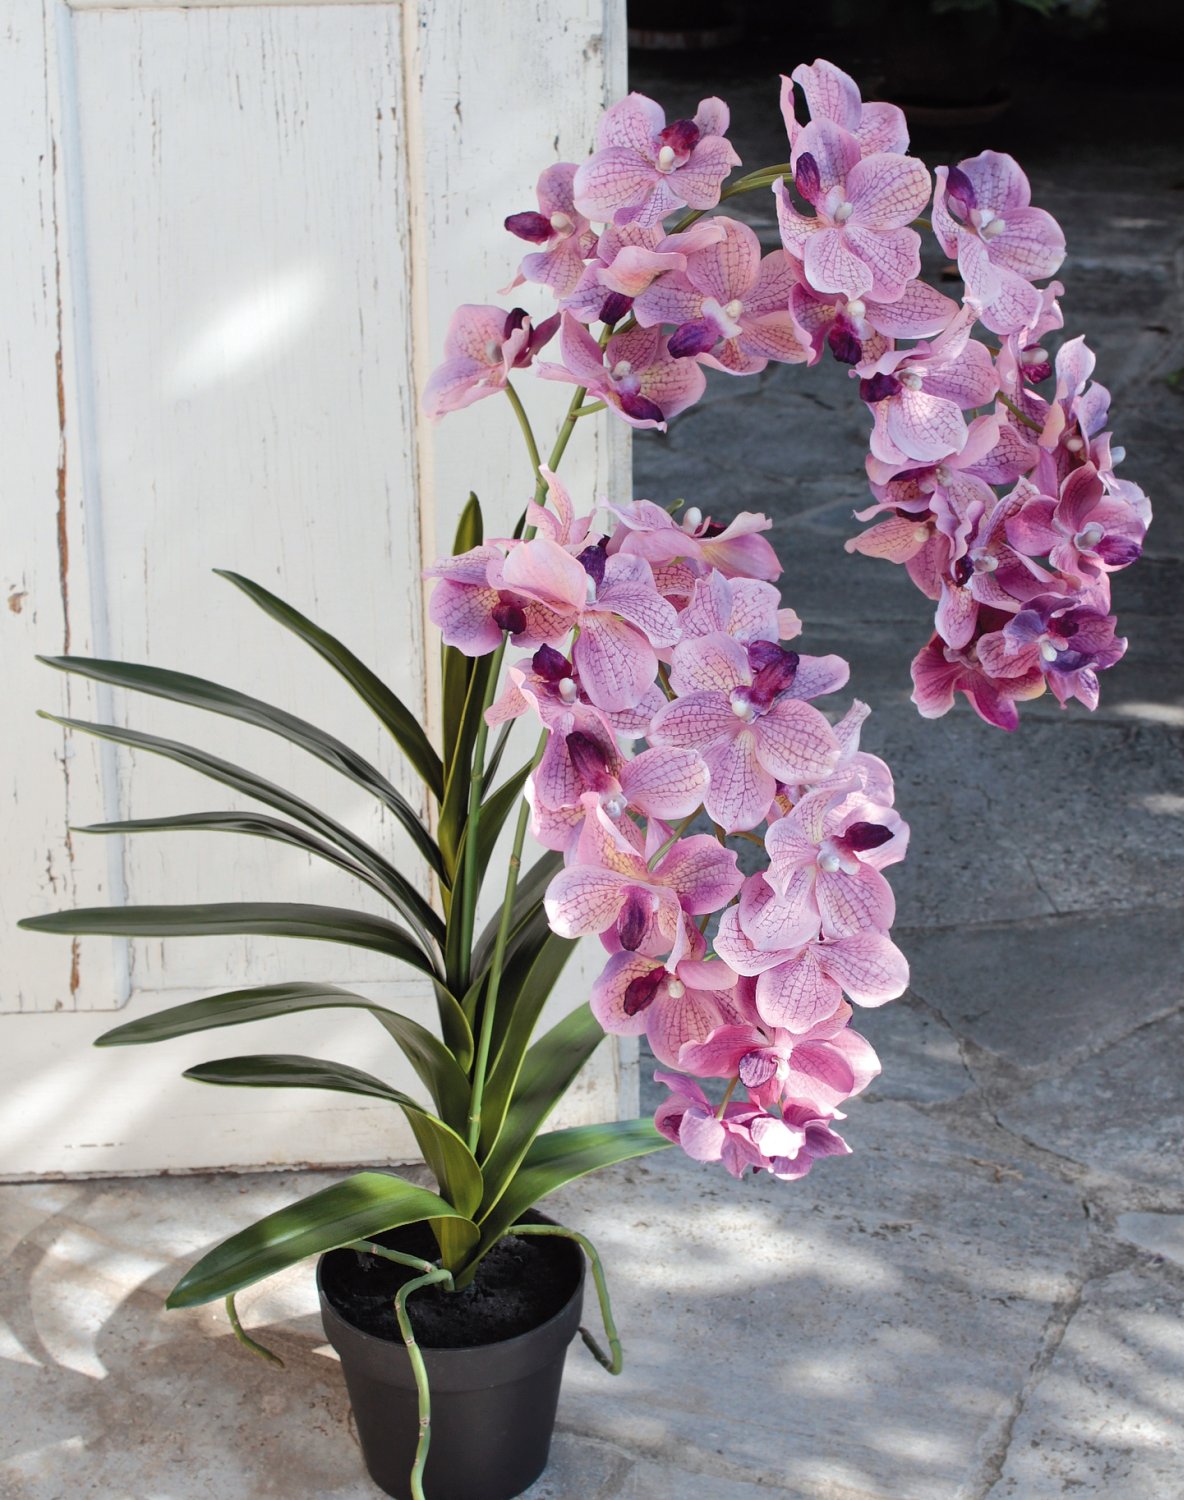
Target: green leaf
x,y
559,1157
494,811
446,1154
454,1025
258,825
359,1208
398,890
455,666
196,692
432,1061
531,973
546,1074
454,810
329,924
402,724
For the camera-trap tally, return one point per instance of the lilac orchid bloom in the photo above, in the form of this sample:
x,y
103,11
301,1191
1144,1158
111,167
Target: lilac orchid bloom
x,y
635,373
563,234
472,609
825,1065
802,977
481,347
834,95
825,859
672,1004
736,550
856,241
747,609
745,1137
628,259
743,709
1069,642
859,330
612,600
732,306
644,169
918,395
1084,532
610,889
941,671
982,216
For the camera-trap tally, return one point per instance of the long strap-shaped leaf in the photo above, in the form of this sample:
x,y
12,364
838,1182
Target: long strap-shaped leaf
x,y
527,900
400,891
561,1156
390,710
197,692
545,1076
449,1158
257,825
359,1208
328,924
432,1061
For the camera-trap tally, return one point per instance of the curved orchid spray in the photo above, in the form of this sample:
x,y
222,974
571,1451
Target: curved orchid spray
x,y
678,722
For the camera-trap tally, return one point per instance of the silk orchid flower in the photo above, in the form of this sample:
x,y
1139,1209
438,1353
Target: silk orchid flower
x,y
941,671
737,550
1068,642
743,710
856,241
732,306
635,373
982,216
833,95
481,347
670,1005
564,236
628,259
1084,531
613,602
472,608
644,169
858,330
609,888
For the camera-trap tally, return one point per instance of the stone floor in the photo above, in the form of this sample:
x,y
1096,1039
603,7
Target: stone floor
x,y
983,1303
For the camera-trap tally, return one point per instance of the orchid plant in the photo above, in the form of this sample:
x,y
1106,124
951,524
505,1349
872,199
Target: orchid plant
x,y
678,722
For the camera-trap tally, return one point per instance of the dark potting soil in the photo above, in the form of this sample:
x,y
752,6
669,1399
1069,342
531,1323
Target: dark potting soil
x,y
521,1283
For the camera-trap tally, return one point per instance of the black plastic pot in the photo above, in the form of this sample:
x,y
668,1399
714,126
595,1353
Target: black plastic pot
x,y
493,1406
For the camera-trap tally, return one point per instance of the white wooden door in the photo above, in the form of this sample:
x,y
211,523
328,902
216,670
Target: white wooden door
x,y
234,235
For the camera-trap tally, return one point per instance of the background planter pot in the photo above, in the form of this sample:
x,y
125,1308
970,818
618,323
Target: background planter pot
x,y
493,1406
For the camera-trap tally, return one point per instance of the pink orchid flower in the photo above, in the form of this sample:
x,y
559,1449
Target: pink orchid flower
x,y
671,1004
825,1065
825,859
859,330
661,783
564,236
918,395
745,1137
736,550
1067,641
856,773
732,306
982,215
941,671
801,981
612,601
549,683
628,259
1084,532
472,608
834,95
635,373
481,347
644,169
747,609
743,710
610,889
857,241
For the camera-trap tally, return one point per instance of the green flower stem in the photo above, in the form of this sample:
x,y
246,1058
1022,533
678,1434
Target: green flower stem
x,y
484,1041
592,409
371,1247
727,1098
674,838
470,874
1022,415
429,1278
245,1338
614,1363
527,431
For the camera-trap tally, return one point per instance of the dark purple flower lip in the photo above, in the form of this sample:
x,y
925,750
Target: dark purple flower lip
x,y
960,190
615,306
756,1068
878,388
591,760
633,404
807,179
845,347
514,321
861,837
634,919
530,226
508,614
550,665
773,669
592,560
640,992
682,136
693,338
